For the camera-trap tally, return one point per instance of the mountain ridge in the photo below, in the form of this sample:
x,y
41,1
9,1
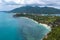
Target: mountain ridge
x,y
36,9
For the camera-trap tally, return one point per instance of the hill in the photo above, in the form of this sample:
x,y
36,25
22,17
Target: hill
x,y
36,9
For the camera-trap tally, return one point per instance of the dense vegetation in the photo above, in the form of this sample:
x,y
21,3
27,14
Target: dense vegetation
x,y
53,21
36,10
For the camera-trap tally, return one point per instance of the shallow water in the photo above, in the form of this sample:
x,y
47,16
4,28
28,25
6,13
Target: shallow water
x,y
20,28
33,30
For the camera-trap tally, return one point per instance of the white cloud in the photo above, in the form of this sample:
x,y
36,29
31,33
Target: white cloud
x,y
8,7
31,1
24,1
53,3
0,1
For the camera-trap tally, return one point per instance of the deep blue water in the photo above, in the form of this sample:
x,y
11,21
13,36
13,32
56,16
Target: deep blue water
x,y
20,28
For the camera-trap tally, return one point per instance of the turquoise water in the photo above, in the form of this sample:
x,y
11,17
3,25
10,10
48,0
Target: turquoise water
x,y
8,27
20,28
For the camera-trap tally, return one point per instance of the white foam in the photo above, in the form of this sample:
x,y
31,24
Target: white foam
x,y
45,25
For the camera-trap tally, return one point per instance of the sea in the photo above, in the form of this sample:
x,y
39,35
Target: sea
x,y
10,27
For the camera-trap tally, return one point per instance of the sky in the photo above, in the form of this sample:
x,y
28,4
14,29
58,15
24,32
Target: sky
x,y
6,5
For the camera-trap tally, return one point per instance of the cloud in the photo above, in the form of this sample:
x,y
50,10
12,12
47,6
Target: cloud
x,y
7,7
15,3
45,2
30,1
